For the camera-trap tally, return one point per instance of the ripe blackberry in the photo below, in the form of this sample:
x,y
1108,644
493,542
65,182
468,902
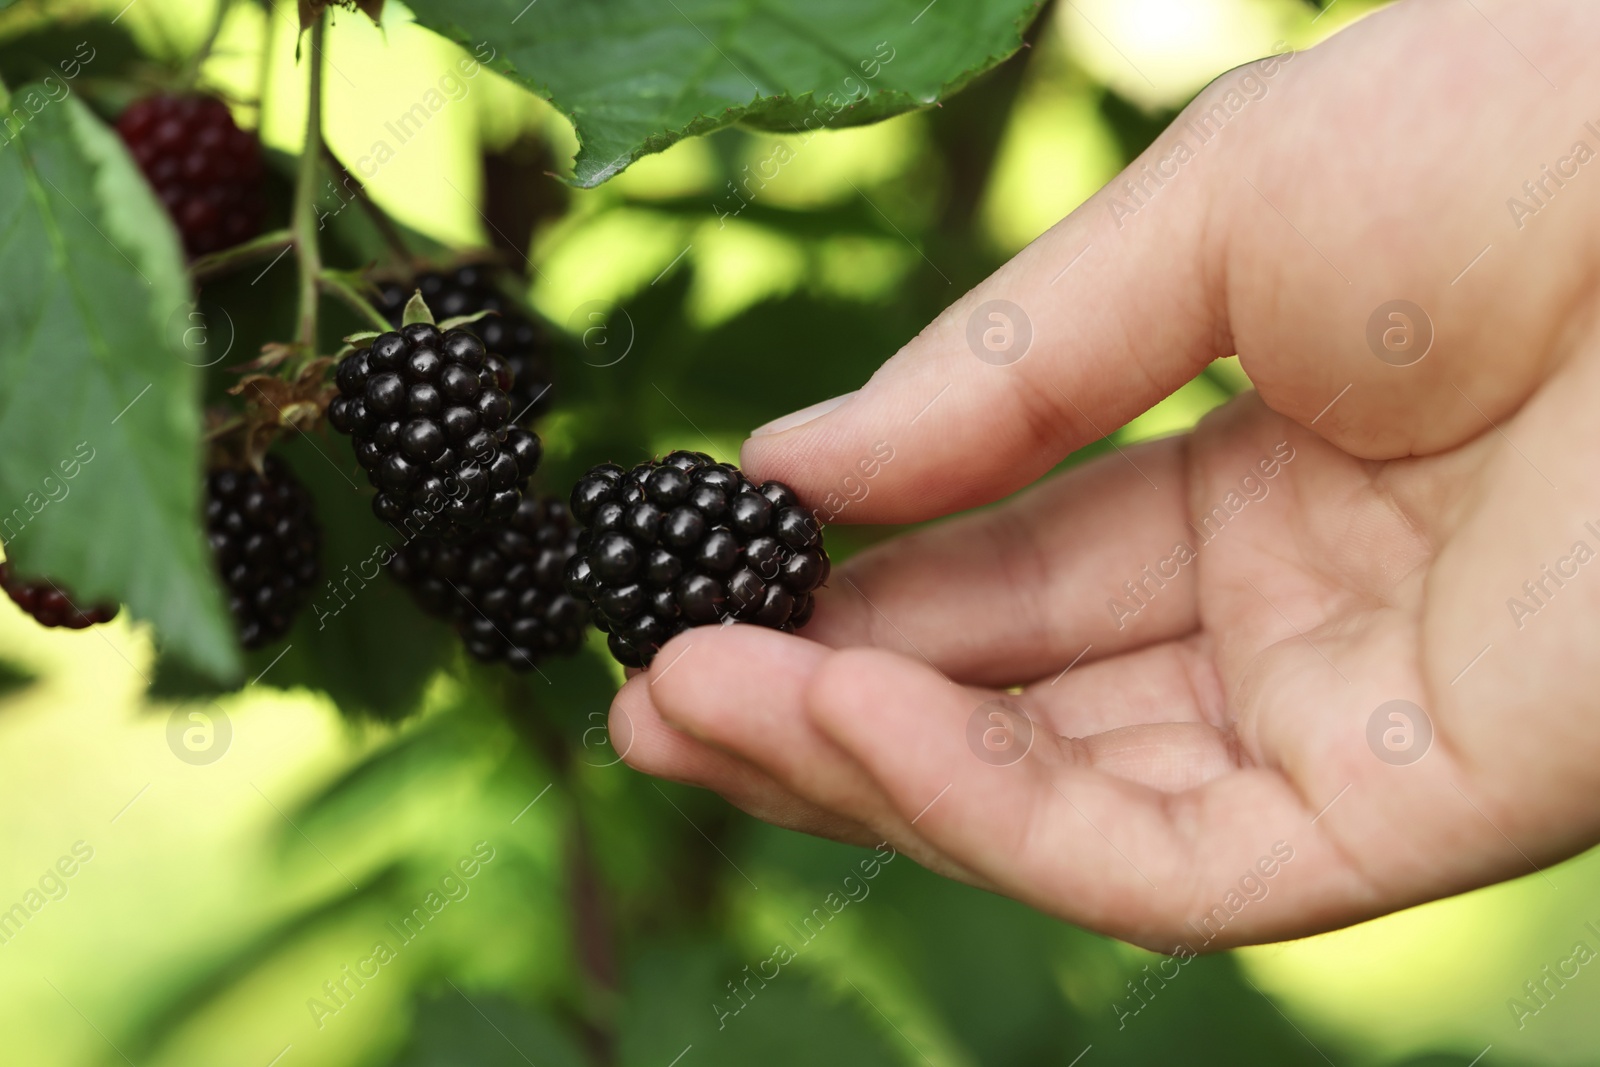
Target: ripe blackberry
x,y
266,541
206,170
521,342
687,542
429,419
503,587
49,604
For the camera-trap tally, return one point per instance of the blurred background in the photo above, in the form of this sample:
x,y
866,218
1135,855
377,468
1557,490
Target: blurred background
x,y
229,909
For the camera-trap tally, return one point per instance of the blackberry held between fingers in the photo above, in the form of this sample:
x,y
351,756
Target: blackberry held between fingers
x,y
49,604
203,167
429,420
688,542
503,587
266,543
522,343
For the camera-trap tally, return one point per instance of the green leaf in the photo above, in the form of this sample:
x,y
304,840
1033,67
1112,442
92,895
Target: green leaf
x,y
14,678
465,320
173,1000
66,47
99,415
681,993
636,76
500,1033
417,310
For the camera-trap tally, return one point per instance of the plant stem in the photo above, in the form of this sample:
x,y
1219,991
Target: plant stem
x,y
264,69
191,73
592,923
268,244
596,942
303,222
334,285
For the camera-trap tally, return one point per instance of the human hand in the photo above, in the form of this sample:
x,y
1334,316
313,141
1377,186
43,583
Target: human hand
x,y
1224,740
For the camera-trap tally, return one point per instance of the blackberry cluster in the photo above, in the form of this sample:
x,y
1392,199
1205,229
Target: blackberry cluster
x,y
206,170
429,417
522,343
687,542
266,541
503,587
49,604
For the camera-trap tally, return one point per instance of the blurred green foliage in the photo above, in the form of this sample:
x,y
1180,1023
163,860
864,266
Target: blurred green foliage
x,y
623,920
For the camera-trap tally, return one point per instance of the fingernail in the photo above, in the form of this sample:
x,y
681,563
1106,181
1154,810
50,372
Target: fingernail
x,y
801,417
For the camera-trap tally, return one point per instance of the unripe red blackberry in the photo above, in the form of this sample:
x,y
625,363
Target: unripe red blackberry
x,y
431,428
522,343
504,587
203,167
50,604
266,542
689,542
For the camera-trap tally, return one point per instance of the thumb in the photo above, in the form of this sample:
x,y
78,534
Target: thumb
x,y
1089,326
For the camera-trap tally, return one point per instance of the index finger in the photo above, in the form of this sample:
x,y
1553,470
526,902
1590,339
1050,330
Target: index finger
x,y
1081,331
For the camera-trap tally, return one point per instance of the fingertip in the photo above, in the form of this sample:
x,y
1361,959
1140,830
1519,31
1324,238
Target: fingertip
x,y
649,744
793,457
629,708
828,456
796,419
710,672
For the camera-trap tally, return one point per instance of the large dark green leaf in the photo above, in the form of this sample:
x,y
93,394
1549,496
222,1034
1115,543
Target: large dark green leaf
x,y
679,997
99,419
635,76
69,48
457,1028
